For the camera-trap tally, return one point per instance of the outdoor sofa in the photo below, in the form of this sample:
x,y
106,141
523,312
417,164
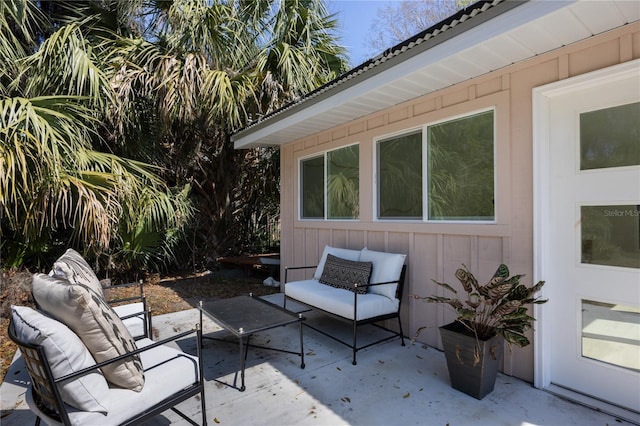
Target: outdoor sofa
x,y
357,286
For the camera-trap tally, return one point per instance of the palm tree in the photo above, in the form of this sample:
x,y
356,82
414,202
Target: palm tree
x,y
55,189
131,103
206,68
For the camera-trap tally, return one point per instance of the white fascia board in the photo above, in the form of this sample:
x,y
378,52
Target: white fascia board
x,y
495,27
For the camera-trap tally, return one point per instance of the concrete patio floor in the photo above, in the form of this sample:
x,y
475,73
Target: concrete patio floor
x,y
391,385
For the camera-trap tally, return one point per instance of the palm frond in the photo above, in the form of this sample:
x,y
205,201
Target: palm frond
x,y
65,64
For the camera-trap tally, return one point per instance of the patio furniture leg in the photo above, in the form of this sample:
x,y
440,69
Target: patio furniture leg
x,y
301,344
201,371
355,326
242,362
355,335
243,359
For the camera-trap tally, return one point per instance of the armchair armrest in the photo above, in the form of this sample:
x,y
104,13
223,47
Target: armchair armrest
x,y
140,297
99,365
133,310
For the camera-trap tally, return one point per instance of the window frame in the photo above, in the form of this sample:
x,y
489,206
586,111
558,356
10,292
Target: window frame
x,y
324,156
300,185
423,129
376,173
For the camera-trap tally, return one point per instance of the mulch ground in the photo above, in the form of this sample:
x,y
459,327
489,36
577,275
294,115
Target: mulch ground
x,y
163,296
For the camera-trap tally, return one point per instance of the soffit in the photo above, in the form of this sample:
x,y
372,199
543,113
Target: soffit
x,y
440,60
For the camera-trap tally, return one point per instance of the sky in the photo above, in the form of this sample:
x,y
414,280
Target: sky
x,y
355,18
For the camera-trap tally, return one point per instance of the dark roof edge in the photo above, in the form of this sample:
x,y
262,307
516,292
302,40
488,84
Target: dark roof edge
x,y
445,30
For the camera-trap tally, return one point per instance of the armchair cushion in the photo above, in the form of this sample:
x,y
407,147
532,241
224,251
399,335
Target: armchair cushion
x,y
66,353
72,267
346,274
95,322
167,370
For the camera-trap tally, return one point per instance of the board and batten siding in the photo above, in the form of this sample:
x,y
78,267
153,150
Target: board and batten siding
x,y
436,250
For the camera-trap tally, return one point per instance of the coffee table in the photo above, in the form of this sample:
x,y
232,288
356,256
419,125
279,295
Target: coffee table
x,y
243,316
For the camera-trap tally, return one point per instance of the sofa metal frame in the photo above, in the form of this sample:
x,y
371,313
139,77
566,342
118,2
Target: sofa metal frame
x,y
357,323
48,401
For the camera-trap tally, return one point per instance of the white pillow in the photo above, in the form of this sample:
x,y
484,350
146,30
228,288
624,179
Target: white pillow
x,y
66,354
97,325
72,267
337,252
386,267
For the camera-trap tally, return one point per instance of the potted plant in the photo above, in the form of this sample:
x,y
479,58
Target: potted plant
x,y
487,315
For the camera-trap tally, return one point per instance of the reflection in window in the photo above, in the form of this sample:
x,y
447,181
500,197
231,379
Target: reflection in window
x,y
342,185
312,188
460,169
610,137
400,177
611,333
458,177
343,168
611,235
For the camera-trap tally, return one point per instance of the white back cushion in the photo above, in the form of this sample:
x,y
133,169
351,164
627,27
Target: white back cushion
x,y
386,267
66,354
343,253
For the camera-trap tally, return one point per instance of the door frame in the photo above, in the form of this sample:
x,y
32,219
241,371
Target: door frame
x,y
541,97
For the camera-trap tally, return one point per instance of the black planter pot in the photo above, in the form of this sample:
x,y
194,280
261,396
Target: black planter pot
x,y
471,374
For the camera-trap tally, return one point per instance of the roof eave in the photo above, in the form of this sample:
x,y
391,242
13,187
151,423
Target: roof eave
x,y
391,65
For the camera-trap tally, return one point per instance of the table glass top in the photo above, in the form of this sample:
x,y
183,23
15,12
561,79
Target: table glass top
x,y
245,315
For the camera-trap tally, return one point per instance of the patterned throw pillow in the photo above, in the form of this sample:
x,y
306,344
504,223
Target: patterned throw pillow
x,y
97,325
72,267
344,273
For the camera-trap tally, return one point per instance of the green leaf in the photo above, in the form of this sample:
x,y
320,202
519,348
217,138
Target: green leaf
x,y
446,286
517,339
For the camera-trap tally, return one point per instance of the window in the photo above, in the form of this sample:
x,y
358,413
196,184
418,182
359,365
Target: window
x,y
458,173
312,188
339,193
609,137
400,177
611,235
460,168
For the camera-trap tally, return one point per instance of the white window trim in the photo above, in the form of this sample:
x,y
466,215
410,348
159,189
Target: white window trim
x,y
325,208
425,185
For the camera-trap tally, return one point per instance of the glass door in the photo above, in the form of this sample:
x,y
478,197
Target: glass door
x,y
593,257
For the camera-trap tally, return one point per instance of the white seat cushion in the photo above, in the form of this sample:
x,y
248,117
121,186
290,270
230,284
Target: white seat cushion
x,y
339,301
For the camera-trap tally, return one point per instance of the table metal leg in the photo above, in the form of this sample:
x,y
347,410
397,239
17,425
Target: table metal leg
x,y
301,344
244,349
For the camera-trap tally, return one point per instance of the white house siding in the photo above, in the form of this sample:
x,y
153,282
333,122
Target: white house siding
x,y
435,251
